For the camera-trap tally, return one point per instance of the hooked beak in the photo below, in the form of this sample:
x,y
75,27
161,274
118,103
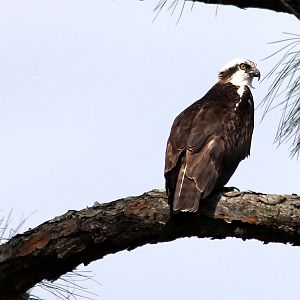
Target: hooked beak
x,y
255,73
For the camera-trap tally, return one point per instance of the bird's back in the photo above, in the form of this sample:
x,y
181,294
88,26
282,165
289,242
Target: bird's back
x,y
206,144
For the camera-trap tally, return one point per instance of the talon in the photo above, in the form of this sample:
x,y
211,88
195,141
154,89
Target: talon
x,y
227,189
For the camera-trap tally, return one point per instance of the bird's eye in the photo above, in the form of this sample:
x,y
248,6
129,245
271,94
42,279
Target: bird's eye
x,y
243,66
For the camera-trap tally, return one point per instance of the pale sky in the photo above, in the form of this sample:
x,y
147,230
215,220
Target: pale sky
x,y
89,90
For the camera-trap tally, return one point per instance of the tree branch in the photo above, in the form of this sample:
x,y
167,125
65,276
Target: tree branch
x,y
59,245
285,6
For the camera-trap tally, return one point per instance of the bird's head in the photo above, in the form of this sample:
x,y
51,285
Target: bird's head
x,y
239,71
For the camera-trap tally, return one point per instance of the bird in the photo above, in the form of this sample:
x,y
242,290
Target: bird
x,y
210,138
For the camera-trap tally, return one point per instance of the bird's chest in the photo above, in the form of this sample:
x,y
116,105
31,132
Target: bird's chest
x,y
238,123
242,103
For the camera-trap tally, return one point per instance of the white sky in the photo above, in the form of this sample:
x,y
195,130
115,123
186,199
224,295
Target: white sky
x,y
89,90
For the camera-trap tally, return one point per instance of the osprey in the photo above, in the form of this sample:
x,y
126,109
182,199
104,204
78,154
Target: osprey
x,y
210,138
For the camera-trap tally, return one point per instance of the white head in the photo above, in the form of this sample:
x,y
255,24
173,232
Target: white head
x,y
240,72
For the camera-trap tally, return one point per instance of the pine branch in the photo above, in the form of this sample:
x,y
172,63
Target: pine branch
x,y
59,245
284,6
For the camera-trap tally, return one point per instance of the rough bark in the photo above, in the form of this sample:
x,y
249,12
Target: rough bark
x,y
285,6
59,245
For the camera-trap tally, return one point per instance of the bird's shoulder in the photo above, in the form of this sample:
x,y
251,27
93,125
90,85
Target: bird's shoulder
x,y
205,120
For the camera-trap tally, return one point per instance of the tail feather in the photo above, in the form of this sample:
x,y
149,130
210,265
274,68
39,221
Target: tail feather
x,y
186,196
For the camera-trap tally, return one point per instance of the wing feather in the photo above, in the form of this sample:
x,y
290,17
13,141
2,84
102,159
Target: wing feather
x,y
206,144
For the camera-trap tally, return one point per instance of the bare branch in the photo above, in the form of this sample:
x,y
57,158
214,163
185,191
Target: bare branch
x,y
63,243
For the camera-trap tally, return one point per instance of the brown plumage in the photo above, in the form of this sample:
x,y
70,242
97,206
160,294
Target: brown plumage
x,y
210,138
